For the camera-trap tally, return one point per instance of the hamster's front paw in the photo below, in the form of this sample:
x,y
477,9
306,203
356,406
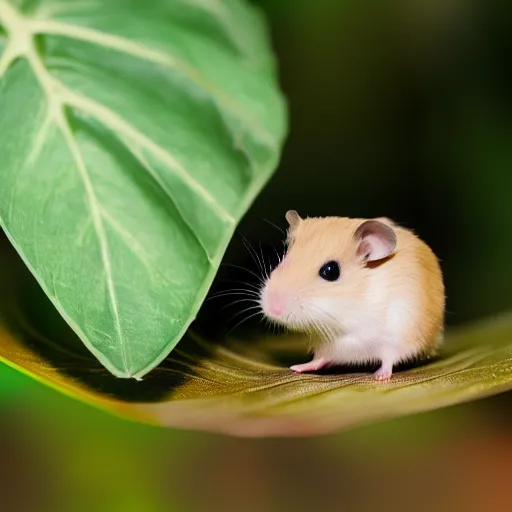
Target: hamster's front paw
x,y
312,366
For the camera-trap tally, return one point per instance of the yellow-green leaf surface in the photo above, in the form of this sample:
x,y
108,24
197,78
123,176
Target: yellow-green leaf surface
x,y
134,136
244,387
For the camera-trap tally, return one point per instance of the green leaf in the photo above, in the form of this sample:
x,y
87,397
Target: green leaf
x,y
243,387
135,135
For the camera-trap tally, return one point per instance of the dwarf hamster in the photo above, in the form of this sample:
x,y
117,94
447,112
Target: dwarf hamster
x,y
369,290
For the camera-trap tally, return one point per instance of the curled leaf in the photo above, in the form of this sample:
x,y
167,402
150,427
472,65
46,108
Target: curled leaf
x,y
244,388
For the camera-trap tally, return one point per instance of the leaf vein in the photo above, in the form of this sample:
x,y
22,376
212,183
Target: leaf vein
x,y
141,51
131,243
99,228
169,194
121,125
55,109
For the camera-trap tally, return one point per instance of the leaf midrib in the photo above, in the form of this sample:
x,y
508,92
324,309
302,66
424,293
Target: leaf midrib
x,y
55,114
20,44
16,24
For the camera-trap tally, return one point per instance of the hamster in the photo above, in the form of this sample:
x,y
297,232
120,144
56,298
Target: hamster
x,y
369,290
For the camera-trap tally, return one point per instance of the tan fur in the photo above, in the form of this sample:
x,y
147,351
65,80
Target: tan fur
x,y
401,298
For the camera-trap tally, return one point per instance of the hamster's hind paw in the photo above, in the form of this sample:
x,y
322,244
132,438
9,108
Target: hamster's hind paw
x,y
384,373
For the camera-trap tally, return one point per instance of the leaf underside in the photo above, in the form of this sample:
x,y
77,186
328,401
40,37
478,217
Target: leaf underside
x,y
134,137
245,388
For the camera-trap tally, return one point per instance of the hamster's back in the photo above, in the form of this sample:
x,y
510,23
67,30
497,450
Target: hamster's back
x,y
417,274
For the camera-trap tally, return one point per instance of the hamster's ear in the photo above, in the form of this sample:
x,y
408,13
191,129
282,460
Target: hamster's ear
x,y
293,218
375,240
386,220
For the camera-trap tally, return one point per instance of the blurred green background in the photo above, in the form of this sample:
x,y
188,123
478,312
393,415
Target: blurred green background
x,y
399,108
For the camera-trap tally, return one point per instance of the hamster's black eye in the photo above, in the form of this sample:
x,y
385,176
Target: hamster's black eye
x,y
330,271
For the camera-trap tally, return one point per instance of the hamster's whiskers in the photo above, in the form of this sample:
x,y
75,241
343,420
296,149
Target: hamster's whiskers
x,y
258,312
235,291
259,278
260,263
275,226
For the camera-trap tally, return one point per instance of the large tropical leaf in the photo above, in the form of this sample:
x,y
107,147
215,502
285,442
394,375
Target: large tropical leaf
x,y
134,136
244,387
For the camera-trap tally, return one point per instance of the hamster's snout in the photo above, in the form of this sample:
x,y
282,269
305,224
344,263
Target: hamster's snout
x,y
278,300
274,304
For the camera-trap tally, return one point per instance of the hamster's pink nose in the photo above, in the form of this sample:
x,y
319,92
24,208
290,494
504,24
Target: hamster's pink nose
x,y
275,305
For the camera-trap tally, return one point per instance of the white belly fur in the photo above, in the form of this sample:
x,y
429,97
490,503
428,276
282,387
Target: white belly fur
x,y
369,340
